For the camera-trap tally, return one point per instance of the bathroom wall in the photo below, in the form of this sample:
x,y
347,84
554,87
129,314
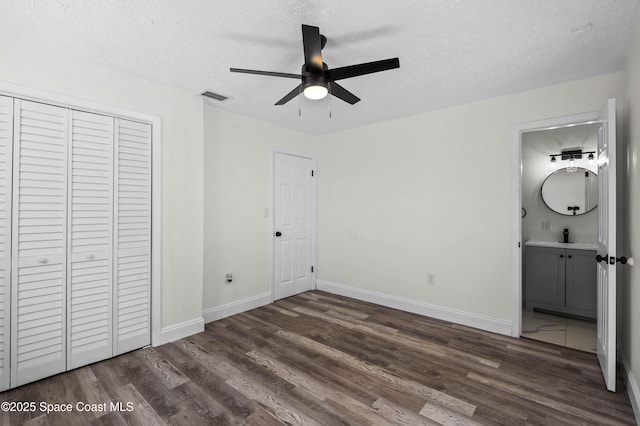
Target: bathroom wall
x,y
536,167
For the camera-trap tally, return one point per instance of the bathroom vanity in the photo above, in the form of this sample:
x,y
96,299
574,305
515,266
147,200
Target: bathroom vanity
x,y
561,277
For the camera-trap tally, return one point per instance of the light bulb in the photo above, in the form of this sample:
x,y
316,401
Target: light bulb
x,y
315,92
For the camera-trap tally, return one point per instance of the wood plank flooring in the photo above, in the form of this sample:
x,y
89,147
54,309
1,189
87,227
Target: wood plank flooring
x,y
321,359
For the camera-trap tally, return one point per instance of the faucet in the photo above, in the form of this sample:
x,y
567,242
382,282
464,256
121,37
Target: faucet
x,y
565,234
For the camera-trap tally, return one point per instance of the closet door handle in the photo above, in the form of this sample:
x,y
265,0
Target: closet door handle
x,y
90,256
43,260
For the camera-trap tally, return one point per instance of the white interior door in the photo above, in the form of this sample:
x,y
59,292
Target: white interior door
x,y
132,234
293,225
39,234
90,253
606,335
6,142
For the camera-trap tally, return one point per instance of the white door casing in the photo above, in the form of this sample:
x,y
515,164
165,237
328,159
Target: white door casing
x,y
606,328
293,212
6,143
39,236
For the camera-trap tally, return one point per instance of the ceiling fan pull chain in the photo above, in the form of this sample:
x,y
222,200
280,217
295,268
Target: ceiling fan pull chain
x,y
299,93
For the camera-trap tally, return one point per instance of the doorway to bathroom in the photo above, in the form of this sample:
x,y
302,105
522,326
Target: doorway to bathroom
x,y
559,232
558,264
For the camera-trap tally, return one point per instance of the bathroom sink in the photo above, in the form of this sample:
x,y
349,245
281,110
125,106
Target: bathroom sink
x,y
557,244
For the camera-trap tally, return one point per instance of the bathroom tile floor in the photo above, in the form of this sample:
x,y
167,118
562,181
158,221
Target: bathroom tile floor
x,y
569,332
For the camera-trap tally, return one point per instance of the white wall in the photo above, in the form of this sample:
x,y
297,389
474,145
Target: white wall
x,y
629,284
182,149
237,236
431,194
536,167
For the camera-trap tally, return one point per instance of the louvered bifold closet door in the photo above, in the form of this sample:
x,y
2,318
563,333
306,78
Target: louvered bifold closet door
x,y
132,269
38,300
90,240
6,141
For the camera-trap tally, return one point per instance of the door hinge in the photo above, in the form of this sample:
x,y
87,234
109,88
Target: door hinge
x,y
311,172
312,269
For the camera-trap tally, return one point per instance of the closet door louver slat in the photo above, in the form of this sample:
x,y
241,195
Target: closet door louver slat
x,y
90,241
6,142
38,313
132,236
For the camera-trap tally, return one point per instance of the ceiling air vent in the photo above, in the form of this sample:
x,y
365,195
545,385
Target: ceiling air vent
x,y
215,96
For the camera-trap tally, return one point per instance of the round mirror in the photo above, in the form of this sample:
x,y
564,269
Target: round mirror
x,y
570,192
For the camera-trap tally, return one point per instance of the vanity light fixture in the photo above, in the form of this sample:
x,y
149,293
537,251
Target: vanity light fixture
x,y
572,155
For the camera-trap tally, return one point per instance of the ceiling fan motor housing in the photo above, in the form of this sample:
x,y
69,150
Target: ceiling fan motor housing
x,y
313,77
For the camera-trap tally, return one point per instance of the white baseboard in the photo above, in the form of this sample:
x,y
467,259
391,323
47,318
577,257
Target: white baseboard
x,y
214,314
440,312
632,386
178,331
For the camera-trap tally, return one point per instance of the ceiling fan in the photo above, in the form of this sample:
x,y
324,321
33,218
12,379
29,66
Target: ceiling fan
x,y
318,80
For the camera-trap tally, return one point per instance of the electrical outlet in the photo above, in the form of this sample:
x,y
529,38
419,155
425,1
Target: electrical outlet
x,y
546,225
431,279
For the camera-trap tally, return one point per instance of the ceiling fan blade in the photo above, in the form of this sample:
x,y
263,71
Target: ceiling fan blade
x,y
312,44
269,73
292,94
342,93
361,69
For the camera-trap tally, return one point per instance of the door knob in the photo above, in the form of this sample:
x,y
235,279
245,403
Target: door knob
x,y
278,233
601,258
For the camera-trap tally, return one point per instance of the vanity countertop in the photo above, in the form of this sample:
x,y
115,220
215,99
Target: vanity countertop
x,y
557,244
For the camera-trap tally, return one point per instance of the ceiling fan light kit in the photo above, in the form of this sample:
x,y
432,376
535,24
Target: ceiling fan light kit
x,y
315,91
316,77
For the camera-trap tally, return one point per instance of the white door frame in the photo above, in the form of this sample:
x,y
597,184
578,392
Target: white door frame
x,y
516,207
270,212
38,95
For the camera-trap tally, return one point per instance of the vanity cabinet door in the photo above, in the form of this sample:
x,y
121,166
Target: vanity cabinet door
x,y
545,277
581,293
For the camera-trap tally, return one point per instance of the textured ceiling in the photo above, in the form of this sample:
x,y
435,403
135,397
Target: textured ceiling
x,y
451,52
553,141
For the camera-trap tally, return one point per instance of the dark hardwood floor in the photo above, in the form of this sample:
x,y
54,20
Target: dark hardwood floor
x,y
321,359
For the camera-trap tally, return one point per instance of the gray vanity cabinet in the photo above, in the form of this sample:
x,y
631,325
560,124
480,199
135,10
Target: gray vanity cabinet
x,y
581,283
561,280
545,278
